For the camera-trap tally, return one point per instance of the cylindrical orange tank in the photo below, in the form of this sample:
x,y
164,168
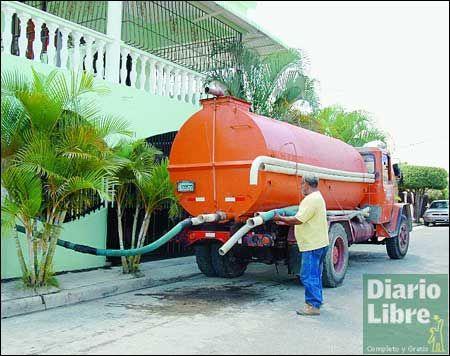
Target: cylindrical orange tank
x,y
213,152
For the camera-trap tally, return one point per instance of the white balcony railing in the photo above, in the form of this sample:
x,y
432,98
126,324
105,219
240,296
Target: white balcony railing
x,y
67,45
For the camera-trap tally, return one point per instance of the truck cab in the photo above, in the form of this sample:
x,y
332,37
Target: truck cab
x,y
381,196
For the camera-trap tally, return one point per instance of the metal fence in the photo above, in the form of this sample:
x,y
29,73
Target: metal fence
x,y
91,14
179,32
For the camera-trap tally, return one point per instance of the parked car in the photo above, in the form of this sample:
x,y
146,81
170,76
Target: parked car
x,y
437,212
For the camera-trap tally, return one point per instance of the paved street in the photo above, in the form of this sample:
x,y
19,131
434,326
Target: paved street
x,y
254,314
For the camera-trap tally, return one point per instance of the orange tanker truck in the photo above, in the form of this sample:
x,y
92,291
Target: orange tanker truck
x,y
233,170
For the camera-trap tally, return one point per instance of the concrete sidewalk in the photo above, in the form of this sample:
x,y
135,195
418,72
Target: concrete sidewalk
x,y
79,287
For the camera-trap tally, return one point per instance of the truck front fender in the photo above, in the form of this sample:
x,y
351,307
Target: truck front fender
x,y
398,210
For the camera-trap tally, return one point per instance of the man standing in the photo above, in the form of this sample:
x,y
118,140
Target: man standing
x,y
311,233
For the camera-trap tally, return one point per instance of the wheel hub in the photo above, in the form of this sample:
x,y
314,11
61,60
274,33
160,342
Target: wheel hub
x,y
403,237
338,254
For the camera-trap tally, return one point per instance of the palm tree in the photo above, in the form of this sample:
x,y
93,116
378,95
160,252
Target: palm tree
x,y
137,161
355,128
23,203
156,192
273,84
55,139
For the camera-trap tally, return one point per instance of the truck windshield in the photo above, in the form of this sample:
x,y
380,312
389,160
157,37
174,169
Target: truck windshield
x,y
439,205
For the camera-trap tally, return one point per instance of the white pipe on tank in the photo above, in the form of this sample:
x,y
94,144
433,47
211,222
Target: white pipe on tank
x,y
233,239
290,171
289,167
212,217
207,218
363,212
198,220
255,221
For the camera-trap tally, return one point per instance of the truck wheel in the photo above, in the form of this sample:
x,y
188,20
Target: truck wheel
x,y
227,266
203,257
397,246
336,260
426,223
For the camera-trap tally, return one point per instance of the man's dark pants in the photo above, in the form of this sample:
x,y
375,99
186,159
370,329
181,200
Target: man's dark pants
x,y
311,275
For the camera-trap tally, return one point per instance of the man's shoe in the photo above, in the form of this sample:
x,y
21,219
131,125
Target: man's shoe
x,y
308,310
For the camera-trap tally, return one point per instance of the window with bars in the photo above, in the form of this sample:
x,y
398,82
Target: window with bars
x,y
91,14
179,32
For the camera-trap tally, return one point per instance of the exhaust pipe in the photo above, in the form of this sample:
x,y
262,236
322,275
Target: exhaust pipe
x,y
214,91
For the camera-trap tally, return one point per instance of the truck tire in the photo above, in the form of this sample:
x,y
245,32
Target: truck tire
x,y
426,223
227,266
397,246
203,258
336,260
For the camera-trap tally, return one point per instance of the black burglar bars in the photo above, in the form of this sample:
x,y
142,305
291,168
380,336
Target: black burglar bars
x,y
91,14
179,32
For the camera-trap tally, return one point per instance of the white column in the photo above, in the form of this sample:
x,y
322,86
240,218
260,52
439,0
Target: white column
x,y
64,48
190,91
51,49
160,78
23,41
176,83
113,30
37,43
76,36
123,69
100,65
199,89
143,75
167,80
89,58
133,71
7,32
151,76
183,87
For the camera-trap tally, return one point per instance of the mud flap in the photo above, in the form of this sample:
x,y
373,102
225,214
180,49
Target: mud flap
x,y
294,260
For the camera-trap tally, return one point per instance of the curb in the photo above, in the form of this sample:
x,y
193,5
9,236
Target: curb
x,y
42,302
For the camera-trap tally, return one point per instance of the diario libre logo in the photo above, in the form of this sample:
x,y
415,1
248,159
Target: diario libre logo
x,y
405,314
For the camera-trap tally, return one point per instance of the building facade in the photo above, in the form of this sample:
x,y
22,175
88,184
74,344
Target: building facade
x,y
152,55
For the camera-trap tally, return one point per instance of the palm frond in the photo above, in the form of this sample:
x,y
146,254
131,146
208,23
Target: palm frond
x,y
14,82
24,189
110,125
14,122
40,158
159,189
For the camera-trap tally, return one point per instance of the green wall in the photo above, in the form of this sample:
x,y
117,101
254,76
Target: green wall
x,y
148,115
90,230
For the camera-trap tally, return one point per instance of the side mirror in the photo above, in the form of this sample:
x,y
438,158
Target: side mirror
x,y
397,171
